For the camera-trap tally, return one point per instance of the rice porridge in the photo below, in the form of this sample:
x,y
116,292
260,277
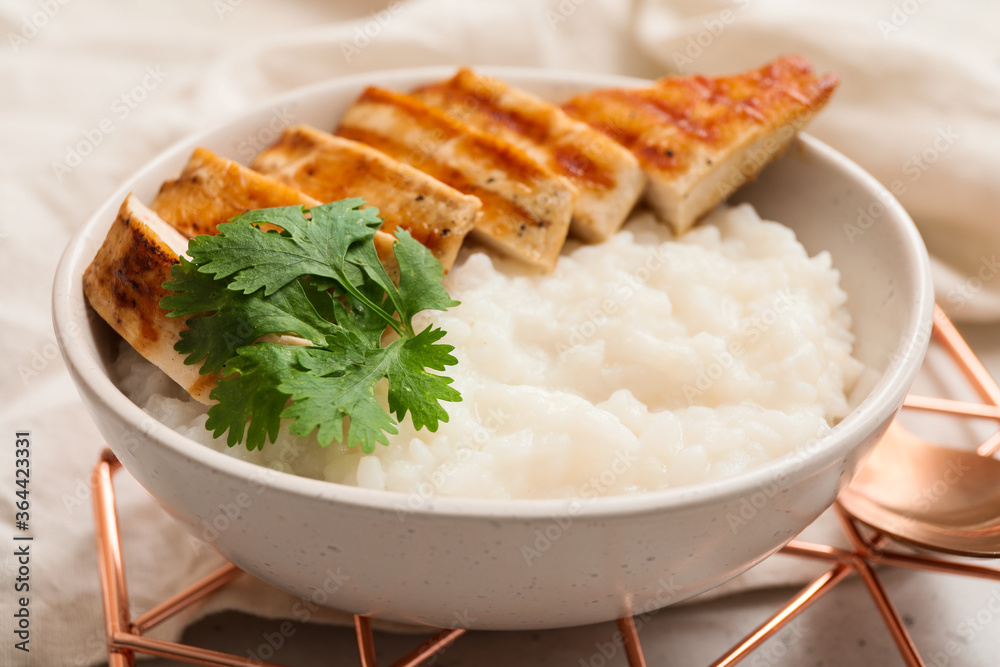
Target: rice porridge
x,y
642,363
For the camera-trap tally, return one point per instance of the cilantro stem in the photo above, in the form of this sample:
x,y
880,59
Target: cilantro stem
x,y
401,328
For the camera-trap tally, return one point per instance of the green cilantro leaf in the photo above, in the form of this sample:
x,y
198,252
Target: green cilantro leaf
x,y
249,399
319,279
231,319
321,401
409,379
420,278
271,260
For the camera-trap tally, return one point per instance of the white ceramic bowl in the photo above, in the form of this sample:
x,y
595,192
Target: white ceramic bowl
x,y
450,561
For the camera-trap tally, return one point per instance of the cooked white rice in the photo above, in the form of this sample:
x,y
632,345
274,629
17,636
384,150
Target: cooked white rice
x,y
641,363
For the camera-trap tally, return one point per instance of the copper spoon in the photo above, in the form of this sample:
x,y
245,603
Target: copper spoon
x,y
929,496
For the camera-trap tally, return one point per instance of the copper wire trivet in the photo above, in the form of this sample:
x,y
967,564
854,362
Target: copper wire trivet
x,y
126,637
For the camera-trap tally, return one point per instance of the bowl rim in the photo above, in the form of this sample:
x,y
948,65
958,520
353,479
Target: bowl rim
x,y
878,405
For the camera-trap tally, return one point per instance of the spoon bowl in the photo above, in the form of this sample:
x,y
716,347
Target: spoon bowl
x,y
929,496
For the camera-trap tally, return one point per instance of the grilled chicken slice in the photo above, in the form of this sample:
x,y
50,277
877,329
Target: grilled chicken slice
x,y
124,285
699,138
212,190
526,207
606,175
329,168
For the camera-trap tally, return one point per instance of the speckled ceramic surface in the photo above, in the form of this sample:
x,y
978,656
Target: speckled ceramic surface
x,y
518,564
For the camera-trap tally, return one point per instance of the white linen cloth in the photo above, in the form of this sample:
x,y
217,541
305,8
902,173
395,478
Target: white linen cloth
x,y
92,91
